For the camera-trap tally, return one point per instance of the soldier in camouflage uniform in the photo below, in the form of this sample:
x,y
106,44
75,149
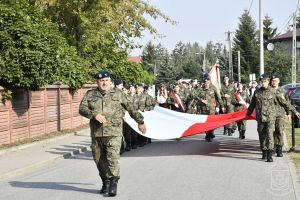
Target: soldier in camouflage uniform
x,y
227,96
142,102
105,107
238,107
264,100
280,117
206,97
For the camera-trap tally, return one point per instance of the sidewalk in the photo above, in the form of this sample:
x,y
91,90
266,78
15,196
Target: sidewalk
x,y
24,159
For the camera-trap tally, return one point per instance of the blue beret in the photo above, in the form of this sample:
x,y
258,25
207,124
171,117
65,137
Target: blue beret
x,y
178,77
102,74
118,82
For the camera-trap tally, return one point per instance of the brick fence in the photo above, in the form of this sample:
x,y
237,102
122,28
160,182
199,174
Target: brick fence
x,y
35,113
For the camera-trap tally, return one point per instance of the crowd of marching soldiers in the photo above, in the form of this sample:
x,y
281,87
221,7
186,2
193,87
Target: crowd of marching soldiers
x,y
204,98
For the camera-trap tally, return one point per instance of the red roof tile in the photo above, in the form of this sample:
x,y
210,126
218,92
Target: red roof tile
x,y
135,59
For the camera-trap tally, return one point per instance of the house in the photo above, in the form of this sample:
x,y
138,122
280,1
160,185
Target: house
x,y
286,40
135,59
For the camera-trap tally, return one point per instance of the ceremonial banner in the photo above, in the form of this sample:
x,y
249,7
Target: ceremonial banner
x,y
163,123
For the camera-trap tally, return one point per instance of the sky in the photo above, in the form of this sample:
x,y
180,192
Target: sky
x,y
203,21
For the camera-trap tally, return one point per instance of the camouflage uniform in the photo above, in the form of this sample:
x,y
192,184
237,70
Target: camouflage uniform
x,y
238,107
211,95
107,137
143,102
265,101
279,123
229,108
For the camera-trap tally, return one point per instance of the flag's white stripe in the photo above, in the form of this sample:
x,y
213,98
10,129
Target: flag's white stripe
x,y
163,123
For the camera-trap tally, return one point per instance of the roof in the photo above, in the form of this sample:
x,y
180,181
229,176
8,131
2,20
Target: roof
x,y
286,36
135,59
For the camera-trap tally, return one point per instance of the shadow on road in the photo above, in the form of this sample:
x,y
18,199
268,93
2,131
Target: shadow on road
x,y
53,186
222,146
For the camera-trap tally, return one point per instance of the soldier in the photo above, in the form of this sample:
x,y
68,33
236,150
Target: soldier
x,y
265,100
105,107
238,107
142,102
280,117
227,96
206,97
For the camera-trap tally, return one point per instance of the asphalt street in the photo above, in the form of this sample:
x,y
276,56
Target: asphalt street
x,y
228,168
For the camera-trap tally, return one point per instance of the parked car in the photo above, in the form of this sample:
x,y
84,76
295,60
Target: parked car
x,y
288,86
294,95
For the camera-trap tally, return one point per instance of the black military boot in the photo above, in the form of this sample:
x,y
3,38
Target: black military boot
x,y
230,132
113,187
225,131
128,147
264,154
279,151
243,135
269,156
240,134
105,187
208,138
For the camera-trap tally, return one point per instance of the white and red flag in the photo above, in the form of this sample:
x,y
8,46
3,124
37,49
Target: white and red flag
x,y
163,123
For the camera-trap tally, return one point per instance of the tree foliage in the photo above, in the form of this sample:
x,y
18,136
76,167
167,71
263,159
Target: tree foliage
x,y
269,31
32,51
246,41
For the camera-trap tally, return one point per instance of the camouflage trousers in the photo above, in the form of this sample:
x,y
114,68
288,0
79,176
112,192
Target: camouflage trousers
x,y
265,132
241,125
279,131
230,109
106,154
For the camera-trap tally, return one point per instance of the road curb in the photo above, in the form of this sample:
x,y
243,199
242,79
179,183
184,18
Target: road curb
x,y
33,167
24,146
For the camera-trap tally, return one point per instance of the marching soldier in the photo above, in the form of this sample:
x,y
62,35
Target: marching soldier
x,y
238,106
264,100
142,102
280,117
227,96
105,107
206,97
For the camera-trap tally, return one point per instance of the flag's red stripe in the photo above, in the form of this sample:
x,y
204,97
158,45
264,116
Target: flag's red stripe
x,y
216,121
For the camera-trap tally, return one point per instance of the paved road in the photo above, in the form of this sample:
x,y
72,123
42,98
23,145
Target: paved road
x,y
227,168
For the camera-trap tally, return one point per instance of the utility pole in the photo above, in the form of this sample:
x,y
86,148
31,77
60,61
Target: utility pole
x,y
261,37
239,66
204,63
230,56
294,61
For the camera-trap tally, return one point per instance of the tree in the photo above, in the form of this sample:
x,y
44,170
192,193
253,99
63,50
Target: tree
x,y
245,41
269,32
101,28
279,63
33,53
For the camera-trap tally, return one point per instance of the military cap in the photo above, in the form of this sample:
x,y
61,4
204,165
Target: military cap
x,y
275,76
118,82
102,74
206,79
263,77
178,77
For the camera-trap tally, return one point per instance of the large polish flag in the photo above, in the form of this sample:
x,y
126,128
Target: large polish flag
x,y
163,123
